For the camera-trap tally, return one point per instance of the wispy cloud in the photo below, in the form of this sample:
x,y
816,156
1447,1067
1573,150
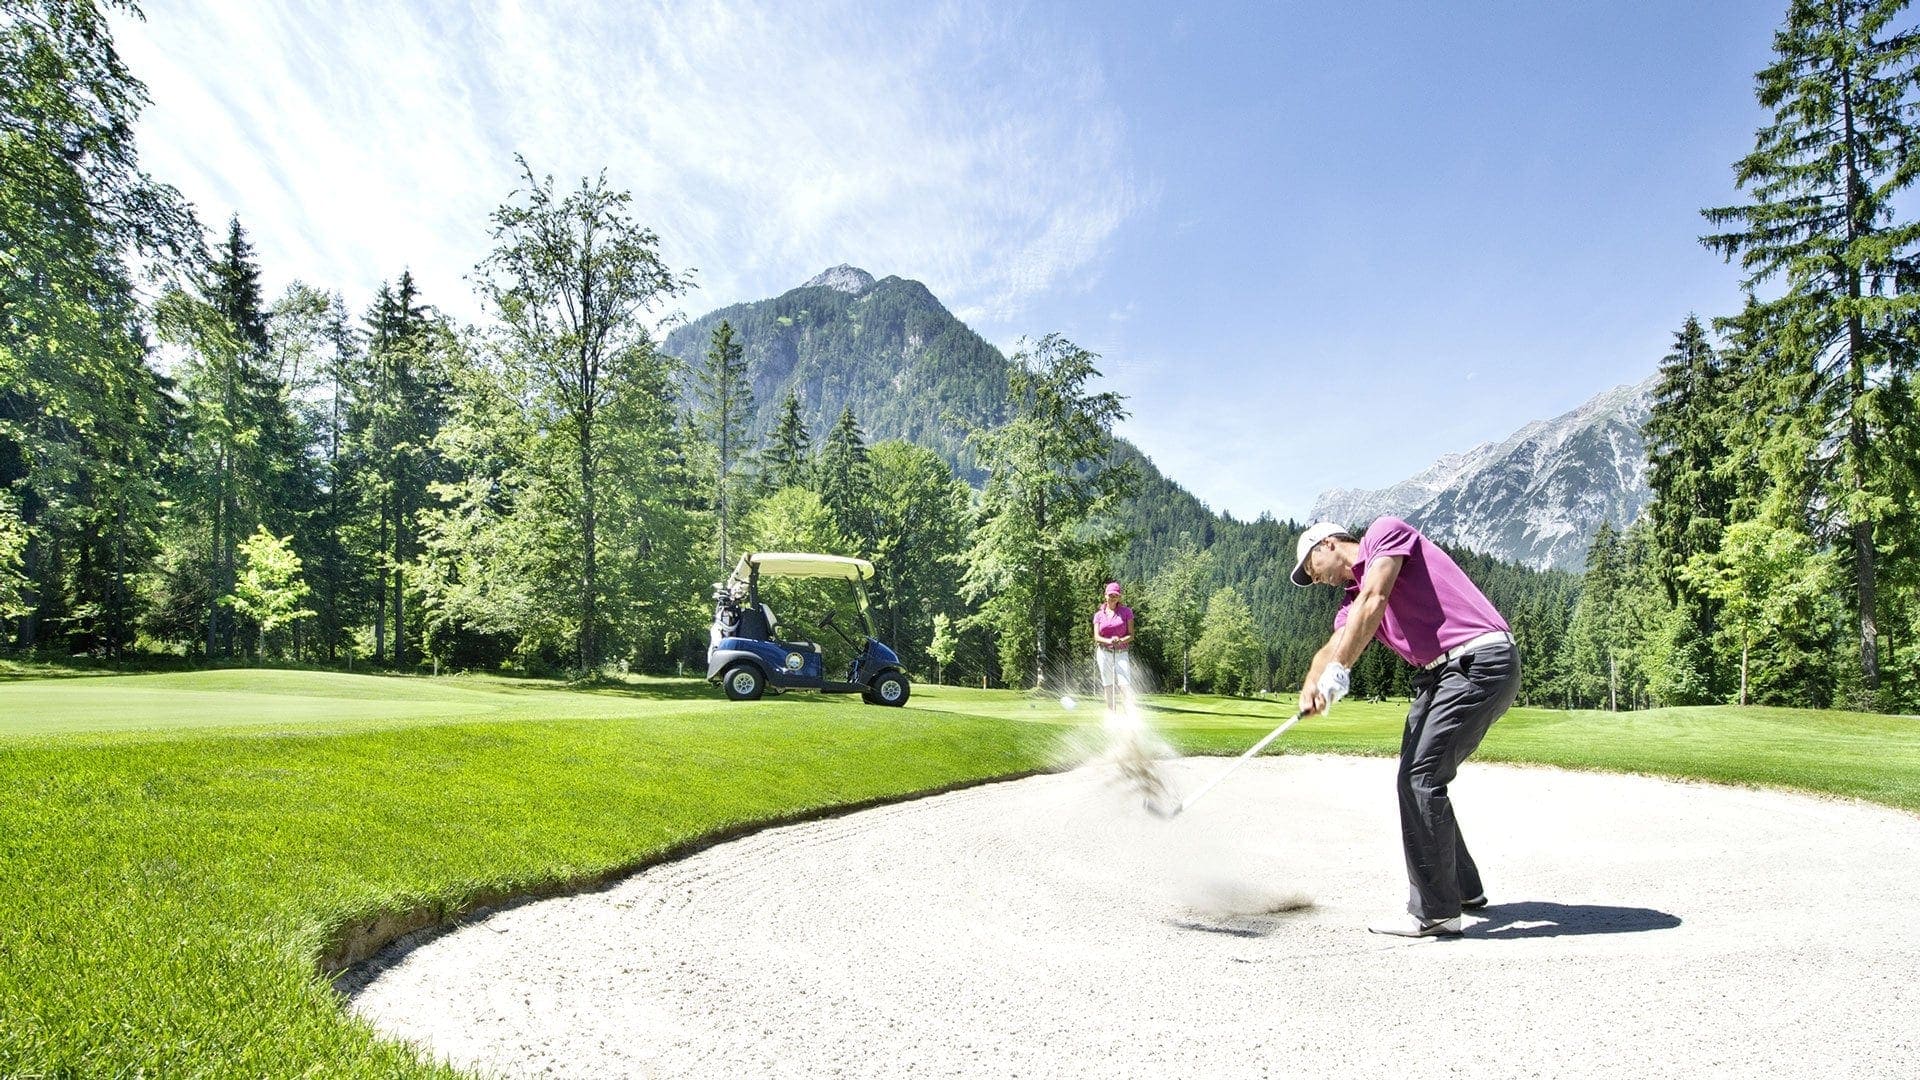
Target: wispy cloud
x,y
976,150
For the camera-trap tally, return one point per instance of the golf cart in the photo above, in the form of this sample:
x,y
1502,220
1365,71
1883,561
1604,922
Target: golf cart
x,y
748,653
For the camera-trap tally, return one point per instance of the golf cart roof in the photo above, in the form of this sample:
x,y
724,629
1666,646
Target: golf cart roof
x,y
802,564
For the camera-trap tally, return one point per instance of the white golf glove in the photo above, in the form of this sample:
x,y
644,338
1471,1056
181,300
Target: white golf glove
x,y
1334,683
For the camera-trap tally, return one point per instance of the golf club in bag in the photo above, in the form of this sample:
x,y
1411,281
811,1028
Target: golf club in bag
x,y
1159,810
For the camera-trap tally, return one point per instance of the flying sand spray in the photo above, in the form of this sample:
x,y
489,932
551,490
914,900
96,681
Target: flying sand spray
x,y
1211,881
1159,808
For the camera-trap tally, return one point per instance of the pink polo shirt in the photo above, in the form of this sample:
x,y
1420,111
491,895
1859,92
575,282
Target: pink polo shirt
x,y
1115,623
1432,607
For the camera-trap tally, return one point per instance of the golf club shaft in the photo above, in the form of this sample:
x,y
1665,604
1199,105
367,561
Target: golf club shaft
x,y
1228,771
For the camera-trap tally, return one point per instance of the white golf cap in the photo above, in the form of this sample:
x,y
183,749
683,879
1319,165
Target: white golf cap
x,y
1311,539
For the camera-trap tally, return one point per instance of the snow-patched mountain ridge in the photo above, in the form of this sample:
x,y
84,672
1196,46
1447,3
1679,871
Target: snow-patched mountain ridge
x,y
1536,497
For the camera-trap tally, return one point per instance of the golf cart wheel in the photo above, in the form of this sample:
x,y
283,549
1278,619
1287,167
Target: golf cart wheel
x,y
743,682
889,689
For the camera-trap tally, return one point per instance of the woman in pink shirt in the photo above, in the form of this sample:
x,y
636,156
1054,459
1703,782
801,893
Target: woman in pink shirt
x,y
1112,637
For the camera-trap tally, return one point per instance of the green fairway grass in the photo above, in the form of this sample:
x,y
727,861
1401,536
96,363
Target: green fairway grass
x,y
1862,755
180,850
242,699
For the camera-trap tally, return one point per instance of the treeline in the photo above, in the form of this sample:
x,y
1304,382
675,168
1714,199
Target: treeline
x,y
1778,562
188,466
191,467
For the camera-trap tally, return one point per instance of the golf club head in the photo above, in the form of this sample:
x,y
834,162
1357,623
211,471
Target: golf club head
x,y
1162,807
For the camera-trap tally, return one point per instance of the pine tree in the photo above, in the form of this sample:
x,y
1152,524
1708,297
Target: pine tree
x,y
788,459
233,289
242,462
399,406
334,573
845,481
1685,436
1592,669
725,415
1825,180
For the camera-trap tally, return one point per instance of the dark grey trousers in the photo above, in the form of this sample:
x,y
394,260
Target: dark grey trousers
x,y
1453,706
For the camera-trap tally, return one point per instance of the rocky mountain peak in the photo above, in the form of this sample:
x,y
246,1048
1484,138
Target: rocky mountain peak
x,y
847,279
1534,498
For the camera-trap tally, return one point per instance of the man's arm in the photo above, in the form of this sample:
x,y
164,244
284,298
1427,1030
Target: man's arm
x,y
1348,642
1368,609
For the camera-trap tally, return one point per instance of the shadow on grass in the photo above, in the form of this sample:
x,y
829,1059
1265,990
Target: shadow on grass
x,y
665,690
1157,708
1543,918
690,689
22,667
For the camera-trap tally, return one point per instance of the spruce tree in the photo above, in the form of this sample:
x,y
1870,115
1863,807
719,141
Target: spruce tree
x,y
1686,437
1685,434
402,402
233,288
788,459
334,577
1592,668
1825,180
725,412
845,481
242,458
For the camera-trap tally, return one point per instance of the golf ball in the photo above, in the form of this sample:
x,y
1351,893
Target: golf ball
x,y
1067,702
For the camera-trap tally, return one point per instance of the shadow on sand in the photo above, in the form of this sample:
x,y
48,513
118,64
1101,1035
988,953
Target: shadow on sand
x,y
1542,918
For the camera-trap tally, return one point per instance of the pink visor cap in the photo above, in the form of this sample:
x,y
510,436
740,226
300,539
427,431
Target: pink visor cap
x,y
1113,588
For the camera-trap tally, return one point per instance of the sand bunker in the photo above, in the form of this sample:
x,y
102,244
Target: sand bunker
x,y
1047,927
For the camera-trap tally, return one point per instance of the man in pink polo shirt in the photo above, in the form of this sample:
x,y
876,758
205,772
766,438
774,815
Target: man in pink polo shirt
x,y
1406,592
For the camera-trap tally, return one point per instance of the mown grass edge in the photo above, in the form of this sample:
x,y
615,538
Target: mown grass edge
x,y
353,945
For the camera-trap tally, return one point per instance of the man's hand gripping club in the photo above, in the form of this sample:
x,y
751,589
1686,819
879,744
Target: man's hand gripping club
x,y
1331,686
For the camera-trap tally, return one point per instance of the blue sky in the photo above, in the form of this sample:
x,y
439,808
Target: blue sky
x,y
1317,245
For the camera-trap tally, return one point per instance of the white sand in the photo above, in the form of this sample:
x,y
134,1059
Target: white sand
x,y
1047,927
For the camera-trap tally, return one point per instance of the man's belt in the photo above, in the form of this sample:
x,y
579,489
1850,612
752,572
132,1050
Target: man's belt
x,y
1497,637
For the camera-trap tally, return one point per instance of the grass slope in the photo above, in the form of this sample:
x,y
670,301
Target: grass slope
x,y
170,891
181,847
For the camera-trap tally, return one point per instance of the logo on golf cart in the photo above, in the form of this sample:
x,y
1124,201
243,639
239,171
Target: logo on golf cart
x,y
795,661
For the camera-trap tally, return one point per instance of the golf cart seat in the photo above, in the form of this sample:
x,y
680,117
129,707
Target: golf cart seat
x,y
756,623
773,631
